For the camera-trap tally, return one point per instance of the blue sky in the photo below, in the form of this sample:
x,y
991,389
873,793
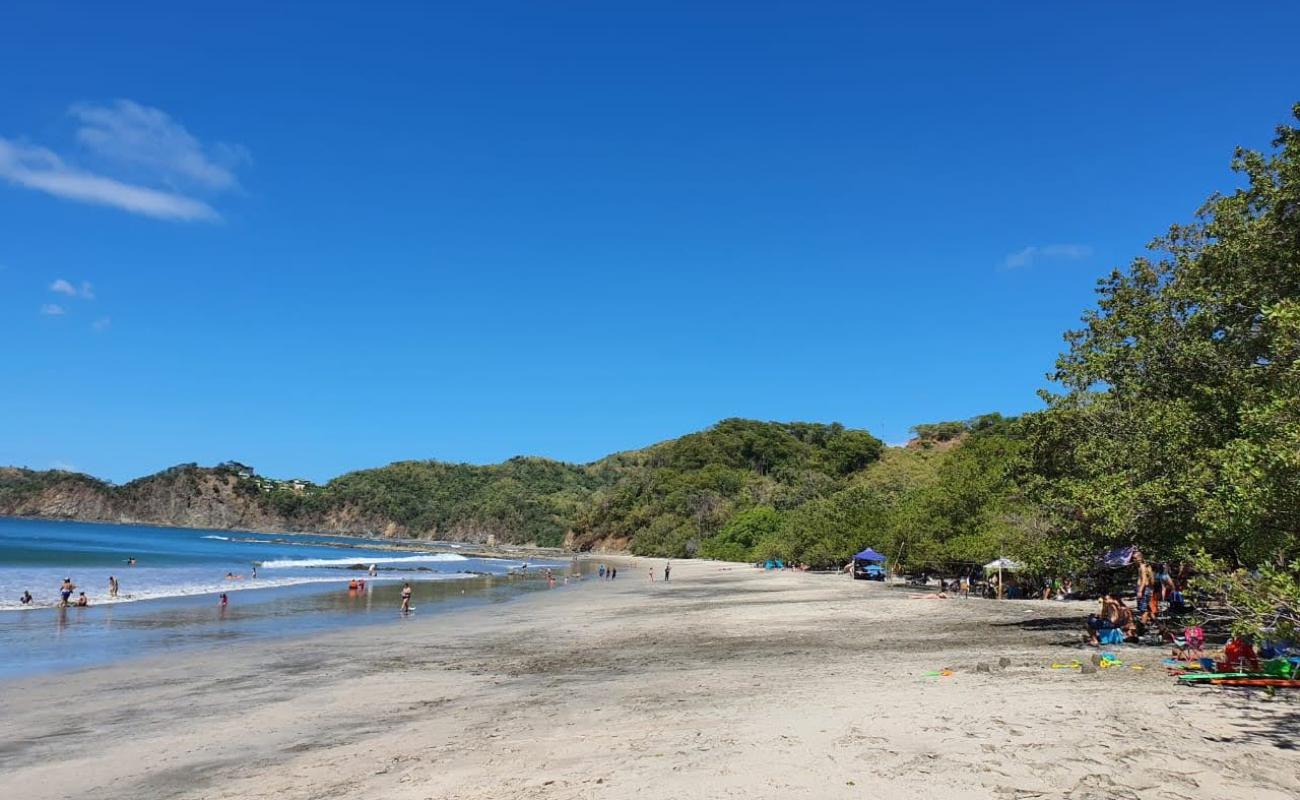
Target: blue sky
x,y
316,237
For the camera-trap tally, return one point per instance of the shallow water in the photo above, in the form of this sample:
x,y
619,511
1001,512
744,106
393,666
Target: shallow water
x,y
169,599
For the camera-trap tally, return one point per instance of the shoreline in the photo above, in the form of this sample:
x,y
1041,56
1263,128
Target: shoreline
x,y
377,542
728,681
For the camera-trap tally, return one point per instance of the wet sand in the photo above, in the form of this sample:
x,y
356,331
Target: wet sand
x,y
727,682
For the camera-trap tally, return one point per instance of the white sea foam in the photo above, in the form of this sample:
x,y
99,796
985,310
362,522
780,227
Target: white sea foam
x,y
219,538
165,589
348,562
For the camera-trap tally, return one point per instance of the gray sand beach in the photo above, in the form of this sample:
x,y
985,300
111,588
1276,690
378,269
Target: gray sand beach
x,y
726,682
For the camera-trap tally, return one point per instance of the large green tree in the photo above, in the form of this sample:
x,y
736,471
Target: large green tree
x,y
1178,423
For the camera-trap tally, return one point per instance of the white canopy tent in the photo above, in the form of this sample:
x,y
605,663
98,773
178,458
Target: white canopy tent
x,y
1004,564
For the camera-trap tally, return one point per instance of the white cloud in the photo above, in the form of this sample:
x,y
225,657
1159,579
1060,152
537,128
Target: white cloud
x,y
141,137
40,169
63,287
52,310
1028,256
148,164
101,324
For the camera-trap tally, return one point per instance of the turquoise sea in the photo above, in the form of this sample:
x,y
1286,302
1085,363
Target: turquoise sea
x,y
277,584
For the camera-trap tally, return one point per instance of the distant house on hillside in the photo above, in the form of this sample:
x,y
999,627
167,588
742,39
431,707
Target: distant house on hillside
x,y
242,470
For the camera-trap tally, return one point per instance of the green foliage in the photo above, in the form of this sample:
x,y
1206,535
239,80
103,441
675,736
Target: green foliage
x,y
736,540
1264,602
1179,425
692,495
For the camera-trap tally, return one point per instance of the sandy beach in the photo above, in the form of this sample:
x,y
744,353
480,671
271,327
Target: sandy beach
x,y
726,682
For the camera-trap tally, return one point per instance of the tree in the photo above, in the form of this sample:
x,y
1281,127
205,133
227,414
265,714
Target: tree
x,y
1178,426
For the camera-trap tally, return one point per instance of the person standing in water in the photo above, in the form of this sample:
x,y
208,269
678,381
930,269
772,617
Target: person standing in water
x,y
254,572
66,590
112,586
374,570
26,599
406,598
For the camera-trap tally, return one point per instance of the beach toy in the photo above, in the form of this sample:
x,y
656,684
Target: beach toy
x,y
942,673
1202,677
1277,683
1278,668
1207,664
1071,665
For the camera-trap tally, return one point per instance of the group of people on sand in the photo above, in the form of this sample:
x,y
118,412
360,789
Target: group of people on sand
x,y
1155,585
606,573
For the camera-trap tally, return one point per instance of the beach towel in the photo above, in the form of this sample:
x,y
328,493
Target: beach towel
x,y
1111,636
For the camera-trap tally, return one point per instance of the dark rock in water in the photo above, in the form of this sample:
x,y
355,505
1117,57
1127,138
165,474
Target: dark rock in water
x,y
1004,662
983,668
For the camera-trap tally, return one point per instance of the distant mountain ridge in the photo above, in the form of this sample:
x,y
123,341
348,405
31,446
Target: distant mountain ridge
x,y
675,492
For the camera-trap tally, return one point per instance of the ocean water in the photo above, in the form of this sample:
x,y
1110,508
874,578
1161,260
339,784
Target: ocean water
x,y
169,598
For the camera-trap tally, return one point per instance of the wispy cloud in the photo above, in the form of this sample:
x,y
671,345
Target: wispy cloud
x,y
102,324
1033,254
40,169
133,135
148,164
63,287
52,310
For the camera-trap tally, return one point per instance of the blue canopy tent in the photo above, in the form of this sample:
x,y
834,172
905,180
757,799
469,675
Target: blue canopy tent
x,y
867,565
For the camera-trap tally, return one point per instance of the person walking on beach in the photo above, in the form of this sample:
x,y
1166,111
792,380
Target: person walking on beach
x,y
66,590
668,568
406,598
613,573
652,574
112,586
600,572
